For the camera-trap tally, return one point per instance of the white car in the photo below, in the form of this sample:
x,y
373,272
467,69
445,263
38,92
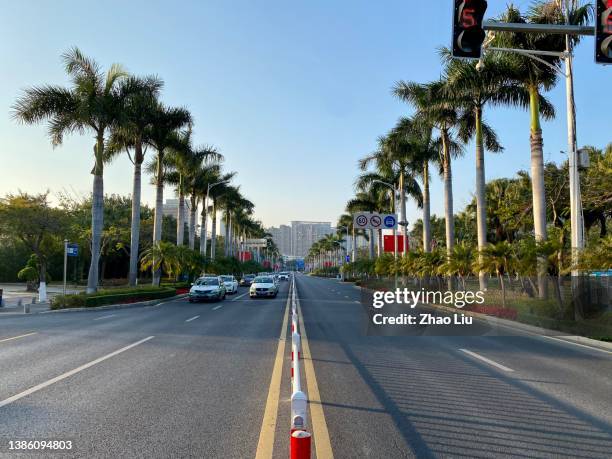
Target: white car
x,y
207,288
263,286
231,284
283,275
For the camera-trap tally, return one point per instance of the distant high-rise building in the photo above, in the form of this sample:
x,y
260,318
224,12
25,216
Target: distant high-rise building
x,y
304,234
170,208
296,240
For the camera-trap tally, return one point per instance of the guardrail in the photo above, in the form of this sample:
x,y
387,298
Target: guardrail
x,y
299,446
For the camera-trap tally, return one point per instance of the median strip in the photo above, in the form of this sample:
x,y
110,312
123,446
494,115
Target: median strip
x,y
319,425
484,359
38,387
265,444
17,337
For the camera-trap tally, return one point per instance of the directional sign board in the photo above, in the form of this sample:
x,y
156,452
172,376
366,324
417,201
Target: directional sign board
x,y
373,220
72,250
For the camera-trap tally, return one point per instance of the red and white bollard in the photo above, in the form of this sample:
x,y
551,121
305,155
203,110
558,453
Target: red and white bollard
x,y
300,445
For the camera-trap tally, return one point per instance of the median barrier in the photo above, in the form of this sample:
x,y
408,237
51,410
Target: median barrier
x,y
299,447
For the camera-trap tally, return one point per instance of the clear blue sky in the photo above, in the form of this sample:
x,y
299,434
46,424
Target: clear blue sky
x,y
293,93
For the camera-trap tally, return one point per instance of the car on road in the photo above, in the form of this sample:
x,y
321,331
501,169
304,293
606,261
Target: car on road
x,y
207,288
283,275
263,286
247,280
231,284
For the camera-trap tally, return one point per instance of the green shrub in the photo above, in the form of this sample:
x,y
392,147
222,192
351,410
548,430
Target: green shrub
x,y
112,296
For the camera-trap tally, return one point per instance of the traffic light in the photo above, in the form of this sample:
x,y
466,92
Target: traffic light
x,y
603,32
468,33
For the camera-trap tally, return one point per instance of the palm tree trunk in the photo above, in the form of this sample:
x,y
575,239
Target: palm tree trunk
x,y
97,216
537,185
371,245
354,246
159,206
135,224
403,212
213,232
379,242
227,235
448,201
192,220
481,203
426,209
180,218
503,288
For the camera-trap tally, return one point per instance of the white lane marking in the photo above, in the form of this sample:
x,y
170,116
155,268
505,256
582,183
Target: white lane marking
x,y
345,296
358,302
105,317
40,386
239,296
217,307
193,318
484,359
17,337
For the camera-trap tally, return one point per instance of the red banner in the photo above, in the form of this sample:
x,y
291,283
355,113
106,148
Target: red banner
x,y
388,245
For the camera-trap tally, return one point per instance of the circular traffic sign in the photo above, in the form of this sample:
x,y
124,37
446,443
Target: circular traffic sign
x,y
375,221
389,221
362,220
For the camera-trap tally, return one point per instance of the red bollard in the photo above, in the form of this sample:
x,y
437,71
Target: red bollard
x,y
300,445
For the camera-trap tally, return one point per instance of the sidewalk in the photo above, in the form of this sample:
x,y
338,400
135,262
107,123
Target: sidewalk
x,y
15,295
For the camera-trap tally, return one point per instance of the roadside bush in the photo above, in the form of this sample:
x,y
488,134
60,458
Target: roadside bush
x,y
113,296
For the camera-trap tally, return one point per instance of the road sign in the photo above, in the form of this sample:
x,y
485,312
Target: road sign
x,y
390,221
256,242
374,220
72,250
348,258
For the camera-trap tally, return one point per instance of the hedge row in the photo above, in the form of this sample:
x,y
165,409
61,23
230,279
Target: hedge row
x,y
106,297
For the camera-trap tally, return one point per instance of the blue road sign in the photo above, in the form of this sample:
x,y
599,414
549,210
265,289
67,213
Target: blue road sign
x,y
72,250
348,258
390,221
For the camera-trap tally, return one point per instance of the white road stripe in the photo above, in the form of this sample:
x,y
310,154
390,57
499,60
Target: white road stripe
x,y
17,337
105,317
38,387
239,296
217,307
358,302
484,359
193,318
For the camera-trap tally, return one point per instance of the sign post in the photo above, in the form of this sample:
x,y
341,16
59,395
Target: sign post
x,y
70,250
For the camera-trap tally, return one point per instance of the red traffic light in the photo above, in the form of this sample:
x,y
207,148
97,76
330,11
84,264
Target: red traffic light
x,y
468,33
603,32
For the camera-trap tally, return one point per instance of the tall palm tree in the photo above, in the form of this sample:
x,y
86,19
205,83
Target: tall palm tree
x,y
473,88
436,110
215,194
535,76
184,161
131,133
163,135
93,103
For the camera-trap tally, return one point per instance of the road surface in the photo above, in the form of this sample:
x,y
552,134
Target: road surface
x,y
202,380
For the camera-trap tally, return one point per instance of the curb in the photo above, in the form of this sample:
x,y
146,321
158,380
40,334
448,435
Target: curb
x,y
102,308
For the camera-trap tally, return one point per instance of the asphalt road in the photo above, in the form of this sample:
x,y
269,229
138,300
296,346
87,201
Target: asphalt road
x,y
425,396
196,389
198,380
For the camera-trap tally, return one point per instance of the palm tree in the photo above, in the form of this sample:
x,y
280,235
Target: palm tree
x,y
184,161
537,76
161,255
497,258
424,150
93,103
473,88
460,263
131,134
434,109
163,135
215,194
